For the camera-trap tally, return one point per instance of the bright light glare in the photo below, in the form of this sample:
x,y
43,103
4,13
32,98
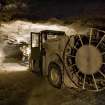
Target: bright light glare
x,y
12,67
20,30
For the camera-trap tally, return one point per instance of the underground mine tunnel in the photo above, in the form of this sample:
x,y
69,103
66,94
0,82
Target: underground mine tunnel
x,y
52,52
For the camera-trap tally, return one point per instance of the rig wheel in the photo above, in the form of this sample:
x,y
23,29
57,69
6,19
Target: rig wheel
x,y
55,75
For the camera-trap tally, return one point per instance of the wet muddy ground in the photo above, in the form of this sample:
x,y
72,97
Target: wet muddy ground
x,y
25,88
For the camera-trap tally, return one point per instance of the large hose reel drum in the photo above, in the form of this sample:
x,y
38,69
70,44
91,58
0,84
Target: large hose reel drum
x,y
84,59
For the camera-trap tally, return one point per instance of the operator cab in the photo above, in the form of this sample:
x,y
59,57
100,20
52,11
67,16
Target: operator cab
x,y
37,49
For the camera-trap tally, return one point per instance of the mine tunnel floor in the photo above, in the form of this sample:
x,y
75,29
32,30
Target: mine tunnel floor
x,y
25,88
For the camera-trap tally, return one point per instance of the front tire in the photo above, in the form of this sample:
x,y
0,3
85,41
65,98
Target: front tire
x,y
55,75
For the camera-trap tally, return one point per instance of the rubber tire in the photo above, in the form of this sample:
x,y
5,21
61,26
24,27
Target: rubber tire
x,y
55,66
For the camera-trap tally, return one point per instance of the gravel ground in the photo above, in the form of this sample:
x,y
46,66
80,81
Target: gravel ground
x,y
25,88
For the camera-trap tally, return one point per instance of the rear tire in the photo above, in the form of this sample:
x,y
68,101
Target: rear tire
x,y
31,65
55,75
